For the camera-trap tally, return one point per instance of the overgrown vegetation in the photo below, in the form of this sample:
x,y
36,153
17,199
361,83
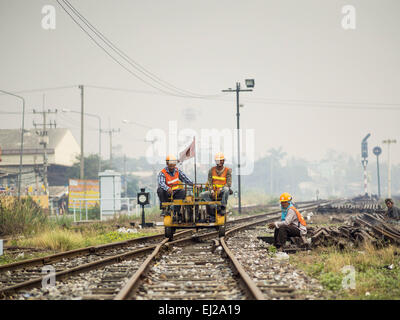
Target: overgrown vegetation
x,y
64,240
22,216
25,218
377,271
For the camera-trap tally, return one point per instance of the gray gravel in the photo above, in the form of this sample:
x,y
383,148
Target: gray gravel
x,y
273,273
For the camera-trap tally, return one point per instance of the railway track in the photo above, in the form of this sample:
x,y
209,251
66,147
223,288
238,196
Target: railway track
x,y
100,272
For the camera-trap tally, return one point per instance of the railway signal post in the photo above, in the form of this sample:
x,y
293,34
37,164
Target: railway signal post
x,y
364,161
143,198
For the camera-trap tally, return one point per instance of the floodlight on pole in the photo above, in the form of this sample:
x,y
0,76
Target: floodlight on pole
x,y
249,84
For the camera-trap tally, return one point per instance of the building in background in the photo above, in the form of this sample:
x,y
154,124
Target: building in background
x,y
61,153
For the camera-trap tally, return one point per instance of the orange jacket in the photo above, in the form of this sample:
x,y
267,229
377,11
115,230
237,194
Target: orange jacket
x,y
172,182
219,181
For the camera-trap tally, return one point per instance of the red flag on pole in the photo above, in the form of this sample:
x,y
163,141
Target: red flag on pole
x,y
188,153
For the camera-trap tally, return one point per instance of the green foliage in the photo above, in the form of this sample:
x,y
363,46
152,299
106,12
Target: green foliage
x,y
22,216
272,249
132,186
331,281
91,168
115,236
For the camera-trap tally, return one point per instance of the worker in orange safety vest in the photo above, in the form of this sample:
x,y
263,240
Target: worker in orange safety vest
x,y
220,182
292,223
170,181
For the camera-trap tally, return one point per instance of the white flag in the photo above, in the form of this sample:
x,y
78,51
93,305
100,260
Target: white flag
x,y
188,153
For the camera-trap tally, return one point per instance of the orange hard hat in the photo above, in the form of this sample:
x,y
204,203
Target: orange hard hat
x,y
285,197
219,156
170,157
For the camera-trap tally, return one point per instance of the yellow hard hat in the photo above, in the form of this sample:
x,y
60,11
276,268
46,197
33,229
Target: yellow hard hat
x,y
170,157
285,197
219,156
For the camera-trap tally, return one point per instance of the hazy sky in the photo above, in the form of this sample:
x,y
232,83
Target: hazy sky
x,y
297,52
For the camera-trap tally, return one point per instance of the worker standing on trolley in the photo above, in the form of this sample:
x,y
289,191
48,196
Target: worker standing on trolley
x,y
169,183
220,182
292,223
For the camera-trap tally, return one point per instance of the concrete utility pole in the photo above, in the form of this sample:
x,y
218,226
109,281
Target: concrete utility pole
x,y
82,175
111,132
125,178
99,119
45,141
388,141
249,84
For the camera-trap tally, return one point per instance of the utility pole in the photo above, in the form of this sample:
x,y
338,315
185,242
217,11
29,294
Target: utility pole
x,y
82,174
99,119
249,84
388,141
125,178
111,132
44,140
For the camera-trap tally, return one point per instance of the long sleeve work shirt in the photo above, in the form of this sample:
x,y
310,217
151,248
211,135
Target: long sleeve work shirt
x,y
182,177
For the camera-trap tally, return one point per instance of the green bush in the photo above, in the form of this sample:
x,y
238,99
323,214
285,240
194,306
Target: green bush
x,y
22,216
331,281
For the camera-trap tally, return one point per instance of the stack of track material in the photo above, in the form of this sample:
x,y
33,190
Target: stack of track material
x,y
365,227
343,236
352,207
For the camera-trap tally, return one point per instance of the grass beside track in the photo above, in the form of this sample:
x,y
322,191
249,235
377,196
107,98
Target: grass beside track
x,y
373,277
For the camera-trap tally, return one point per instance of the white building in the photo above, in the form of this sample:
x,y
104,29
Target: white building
x,y
61,150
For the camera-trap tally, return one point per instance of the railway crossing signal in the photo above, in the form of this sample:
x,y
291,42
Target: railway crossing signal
x,y
364,161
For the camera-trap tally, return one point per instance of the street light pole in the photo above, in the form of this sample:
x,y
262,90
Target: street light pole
x,y
237,90
22,140
388,141
377,151
82,174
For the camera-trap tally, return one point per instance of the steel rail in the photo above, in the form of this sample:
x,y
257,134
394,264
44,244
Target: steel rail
x,y
79,252
133,281
67,273
249,284
84,267
93,249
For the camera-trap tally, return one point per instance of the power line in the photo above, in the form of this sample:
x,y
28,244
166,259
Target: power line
x,y
116,60
45,89
128,59
288,102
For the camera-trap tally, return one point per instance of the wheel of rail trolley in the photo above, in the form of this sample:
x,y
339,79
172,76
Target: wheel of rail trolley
x,y
169,233
221,231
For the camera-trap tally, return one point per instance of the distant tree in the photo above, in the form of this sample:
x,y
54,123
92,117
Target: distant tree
x,y
91,167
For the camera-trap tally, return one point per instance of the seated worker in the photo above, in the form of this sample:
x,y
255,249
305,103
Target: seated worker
x,y
169,179
292,223
393,213
220,178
